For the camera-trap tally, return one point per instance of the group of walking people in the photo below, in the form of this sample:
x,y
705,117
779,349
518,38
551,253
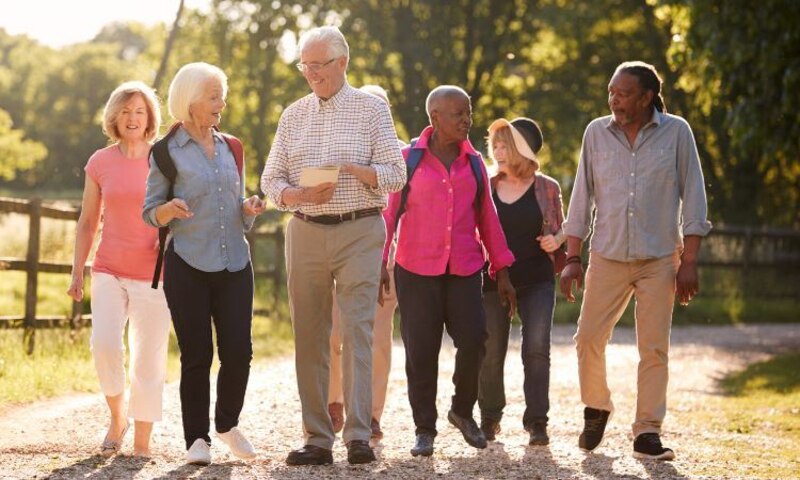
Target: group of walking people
x,y
421,226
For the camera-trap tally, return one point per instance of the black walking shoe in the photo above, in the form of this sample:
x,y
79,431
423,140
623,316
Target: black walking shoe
x,y
594,427
469,429
310,455
359,451
648,445
490,428
423,445
538,434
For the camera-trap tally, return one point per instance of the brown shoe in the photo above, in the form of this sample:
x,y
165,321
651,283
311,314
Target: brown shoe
x,y
377,433
336,411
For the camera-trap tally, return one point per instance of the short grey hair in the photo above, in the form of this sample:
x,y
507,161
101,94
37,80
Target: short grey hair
x,y
442,91
331,36
378,91
116,102
187,86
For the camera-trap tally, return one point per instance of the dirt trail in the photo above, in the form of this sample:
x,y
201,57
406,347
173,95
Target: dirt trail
x,y
58,438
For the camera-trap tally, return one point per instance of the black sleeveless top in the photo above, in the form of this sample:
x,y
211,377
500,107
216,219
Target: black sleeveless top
x,y
522,222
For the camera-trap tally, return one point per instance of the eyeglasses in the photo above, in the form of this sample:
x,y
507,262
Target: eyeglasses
x,y
313,67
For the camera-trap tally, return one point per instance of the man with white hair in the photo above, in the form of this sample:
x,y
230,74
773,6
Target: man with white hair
x,y
336,234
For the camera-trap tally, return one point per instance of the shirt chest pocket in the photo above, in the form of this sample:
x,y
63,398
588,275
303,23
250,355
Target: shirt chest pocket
x,y
609,171
660,164
191,186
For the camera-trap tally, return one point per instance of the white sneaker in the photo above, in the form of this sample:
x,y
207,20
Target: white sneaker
x,y
238,444
199,453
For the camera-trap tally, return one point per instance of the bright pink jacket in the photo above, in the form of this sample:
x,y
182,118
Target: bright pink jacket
x,y
440,224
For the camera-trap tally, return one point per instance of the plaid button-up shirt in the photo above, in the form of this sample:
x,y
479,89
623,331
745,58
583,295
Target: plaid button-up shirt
x,y
352,126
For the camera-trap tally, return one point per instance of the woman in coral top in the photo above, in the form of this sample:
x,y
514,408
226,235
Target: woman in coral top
x,y
123,266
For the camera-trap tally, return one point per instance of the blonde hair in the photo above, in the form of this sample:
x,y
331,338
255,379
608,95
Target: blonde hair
x,y
378,91
519,165
187,87
121,96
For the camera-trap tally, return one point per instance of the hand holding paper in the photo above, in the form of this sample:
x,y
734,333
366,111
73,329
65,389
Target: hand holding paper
x,y
313,176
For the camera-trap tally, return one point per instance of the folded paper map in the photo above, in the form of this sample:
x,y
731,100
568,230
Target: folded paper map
x,y
313,176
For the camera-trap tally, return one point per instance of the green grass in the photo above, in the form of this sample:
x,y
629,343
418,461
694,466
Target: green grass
x,y
61,362
758,416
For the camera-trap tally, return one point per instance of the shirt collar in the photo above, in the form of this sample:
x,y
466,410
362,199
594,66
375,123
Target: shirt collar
x,y
424,137
182,137
337,100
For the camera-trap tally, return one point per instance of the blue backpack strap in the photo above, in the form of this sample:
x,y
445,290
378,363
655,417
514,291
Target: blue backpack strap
x,y
475,164
412,162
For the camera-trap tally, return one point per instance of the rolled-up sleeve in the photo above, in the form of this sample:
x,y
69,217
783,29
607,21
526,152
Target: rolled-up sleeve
x,y
155,195
386,157
694,207
275,177
581,203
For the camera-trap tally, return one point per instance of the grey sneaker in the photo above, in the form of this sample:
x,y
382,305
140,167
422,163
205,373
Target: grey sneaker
x,y
648,446
594,428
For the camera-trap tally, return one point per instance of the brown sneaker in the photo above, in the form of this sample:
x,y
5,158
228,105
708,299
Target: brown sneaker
x,y
336,411
377,433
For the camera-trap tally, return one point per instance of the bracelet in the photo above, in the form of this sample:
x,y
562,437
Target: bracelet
x,y
574,259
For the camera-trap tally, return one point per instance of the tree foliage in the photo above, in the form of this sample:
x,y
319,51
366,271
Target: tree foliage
x,y
730,68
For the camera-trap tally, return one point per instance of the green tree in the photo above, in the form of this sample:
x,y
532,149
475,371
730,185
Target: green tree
x,y
741,70
18,153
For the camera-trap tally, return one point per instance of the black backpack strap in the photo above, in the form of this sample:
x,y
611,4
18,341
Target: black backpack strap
x,y
164,162
412,162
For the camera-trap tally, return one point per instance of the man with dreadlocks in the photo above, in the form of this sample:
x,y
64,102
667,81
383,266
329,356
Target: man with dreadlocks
x,y
640,173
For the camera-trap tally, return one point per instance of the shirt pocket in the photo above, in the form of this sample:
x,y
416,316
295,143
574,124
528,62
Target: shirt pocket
x,y
608,171
192,186
350,146
660,164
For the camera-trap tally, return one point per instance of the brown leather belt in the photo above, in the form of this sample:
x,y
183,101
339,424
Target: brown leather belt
x,y
342,217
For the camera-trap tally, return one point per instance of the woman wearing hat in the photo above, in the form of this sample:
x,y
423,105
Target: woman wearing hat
x,y
530,210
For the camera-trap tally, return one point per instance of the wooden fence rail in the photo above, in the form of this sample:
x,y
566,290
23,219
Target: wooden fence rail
x,y
35,209
728,247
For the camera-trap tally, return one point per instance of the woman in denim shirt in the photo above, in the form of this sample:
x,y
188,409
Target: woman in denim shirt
x,y
529,206
207,271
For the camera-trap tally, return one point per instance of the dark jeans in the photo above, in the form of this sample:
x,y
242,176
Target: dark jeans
x,y
535,305
195,298
428,304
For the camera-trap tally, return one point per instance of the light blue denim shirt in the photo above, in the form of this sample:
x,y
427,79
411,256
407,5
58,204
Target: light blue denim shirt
x,y
644,197
213,239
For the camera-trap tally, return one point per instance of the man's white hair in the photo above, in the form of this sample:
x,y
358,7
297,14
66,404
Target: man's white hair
x,y
331,36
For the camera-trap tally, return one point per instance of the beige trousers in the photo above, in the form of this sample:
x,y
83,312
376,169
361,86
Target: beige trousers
x,y
609,287
116,302
381,352
348,253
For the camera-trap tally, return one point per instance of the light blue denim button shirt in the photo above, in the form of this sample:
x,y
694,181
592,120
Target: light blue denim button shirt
x,y
644,197
213,239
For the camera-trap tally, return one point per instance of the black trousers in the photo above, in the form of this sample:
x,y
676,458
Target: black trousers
x,y
428,304
196,298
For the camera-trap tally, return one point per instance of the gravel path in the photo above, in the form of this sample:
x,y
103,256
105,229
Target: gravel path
x,y
57,438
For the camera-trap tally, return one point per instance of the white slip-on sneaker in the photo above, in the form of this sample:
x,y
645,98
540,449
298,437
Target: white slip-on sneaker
x,y
238,444
199,453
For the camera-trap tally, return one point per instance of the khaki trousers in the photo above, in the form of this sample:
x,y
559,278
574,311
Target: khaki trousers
x,y
381,352
609,287
316,255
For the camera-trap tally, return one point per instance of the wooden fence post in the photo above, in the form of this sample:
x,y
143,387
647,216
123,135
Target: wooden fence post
x,y
31,288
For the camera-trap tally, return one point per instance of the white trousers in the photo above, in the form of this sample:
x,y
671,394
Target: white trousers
x,y
116,300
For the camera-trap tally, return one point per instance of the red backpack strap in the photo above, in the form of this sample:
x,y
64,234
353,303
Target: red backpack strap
x,y
238,151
